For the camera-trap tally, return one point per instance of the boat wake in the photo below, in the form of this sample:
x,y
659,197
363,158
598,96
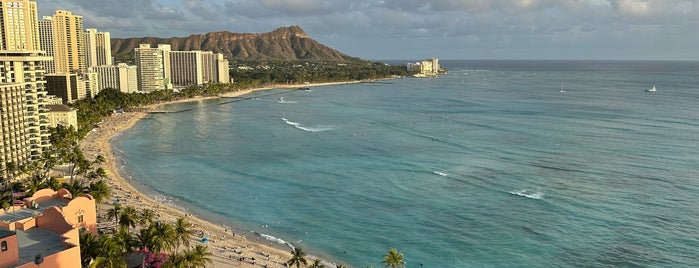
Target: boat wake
x,y
308,129
528,194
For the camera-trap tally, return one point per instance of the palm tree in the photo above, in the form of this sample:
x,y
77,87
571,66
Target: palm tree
x,y
163,236
100,191
52,183
144,239
176,260
128,217
113,213
89,245
298,257
316,264
75,188
199,256
393,258
183,231
124,239
110,254
146,217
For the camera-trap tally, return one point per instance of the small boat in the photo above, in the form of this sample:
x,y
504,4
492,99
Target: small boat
x,y
651,89
562,89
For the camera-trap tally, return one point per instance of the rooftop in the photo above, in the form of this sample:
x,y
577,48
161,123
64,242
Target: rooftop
x,y
24,213
37,241
5,233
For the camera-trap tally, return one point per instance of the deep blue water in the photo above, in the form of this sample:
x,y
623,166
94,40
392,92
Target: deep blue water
x,y
487,166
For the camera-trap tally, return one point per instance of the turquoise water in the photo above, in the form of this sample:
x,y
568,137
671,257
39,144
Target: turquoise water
x,y
487,166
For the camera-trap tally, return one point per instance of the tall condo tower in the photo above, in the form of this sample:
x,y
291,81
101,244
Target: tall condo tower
x,y
19,20
23,115
98,48
153,67
68,41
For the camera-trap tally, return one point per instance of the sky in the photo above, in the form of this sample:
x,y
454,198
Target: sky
x,y
417,29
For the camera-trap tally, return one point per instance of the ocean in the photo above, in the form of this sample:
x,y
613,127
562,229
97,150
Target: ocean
x,y
490,165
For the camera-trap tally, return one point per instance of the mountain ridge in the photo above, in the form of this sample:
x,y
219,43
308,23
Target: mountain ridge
x,y
289,43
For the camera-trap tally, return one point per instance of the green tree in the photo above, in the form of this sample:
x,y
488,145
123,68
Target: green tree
x,y
125,240
316,264
99,191
162,236
146,217
128,217
89,245
110,254
298,257
114,212
199,256
393,258
183,232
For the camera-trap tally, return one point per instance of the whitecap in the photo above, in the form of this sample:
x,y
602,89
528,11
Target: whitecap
x,y
274,239
528,194
439,173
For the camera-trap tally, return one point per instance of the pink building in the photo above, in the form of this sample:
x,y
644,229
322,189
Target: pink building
x,y
45,232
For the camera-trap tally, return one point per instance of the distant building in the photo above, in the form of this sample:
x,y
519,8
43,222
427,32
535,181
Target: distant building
x,y
92,83
63,34
153,67
121,76
52,236
69,87
186,68
424,68
215,68
98,48
62,115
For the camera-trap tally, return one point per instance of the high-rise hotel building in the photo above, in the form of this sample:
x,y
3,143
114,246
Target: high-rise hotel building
x,y
153,67
62,38
121,76
23,114
98,48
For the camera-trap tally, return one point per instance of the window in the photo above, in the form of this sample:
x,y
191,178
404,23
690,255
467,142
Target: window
x,y
3,246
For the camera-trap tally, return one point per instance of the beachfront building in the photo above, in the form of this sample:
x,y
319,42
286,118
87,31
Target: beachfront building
x,y
121,76
62,38
424,68
69,87
186,68
215,67
23,117
98,48
62,115
153,67
44,230
22,106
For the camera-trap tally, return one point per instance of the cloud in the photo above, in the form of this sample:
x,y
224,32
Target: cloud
x,y
294,6
354,25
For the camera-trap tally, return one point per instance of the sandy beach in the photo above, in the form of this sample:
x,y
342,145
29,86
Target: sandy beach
x,y
228,249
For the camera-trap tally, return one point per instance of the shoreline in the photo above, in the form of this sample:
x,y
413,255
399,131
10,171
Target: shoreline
x,y
228,245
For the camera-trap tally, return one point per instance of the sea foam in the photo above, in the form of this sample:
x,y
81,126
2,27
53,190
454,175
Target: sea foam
x,y
528,194
308,129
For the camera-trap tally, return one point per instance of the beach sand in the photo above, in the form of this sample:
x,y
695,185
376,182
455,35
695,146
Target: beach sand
x,y
228,249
